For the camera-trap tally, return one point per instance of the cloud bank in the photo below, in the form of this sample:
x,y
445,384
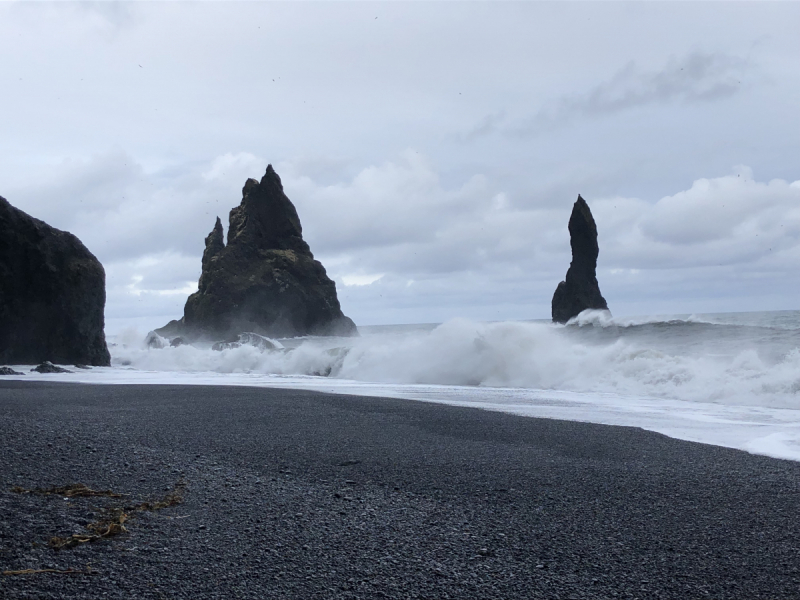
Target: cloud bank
x,y
399,240
433,173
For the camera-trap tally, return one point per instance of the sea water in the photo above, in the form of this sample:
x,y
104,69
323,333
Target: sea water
x,y
727,379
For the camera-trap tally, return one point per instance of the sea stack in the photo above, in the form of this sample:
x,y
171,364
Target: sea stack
x,y
52,294
265,280
580,289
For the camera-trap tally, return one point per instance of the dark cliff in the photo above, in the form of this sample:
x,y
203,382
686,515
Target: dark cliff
x,y
52,294
580,290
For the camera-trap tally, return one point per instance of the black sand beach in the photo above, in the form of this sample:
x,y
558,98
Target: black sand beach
x,y
294,494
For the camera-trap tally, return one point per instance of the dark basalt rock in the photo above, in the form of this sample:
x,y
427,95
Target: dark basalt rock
x,y
52,294
580,290
265,280
48,367
9,371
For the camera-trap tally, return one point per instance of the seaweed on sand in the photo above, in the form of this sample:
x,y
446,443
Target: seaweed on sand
x,y
73,490
113,519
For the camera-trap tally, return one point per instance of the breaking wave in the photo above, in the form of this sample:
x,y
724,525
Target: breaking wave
x,y
681,358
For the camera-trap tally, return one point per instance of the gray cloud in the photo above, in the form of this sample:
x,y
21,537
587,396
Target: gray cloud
x,y
489,124
112,14
697,77
722,221
396,236
414,223
103,19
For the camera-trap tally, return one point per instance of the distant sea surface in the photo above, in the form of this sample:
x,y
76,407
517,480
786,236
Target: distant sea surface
x,y
731,379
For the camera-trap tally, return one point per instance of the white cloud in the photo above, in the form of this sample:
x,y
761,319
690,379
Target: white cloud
x,y
134,288
385,205
232,165
400,217
729,220
361,279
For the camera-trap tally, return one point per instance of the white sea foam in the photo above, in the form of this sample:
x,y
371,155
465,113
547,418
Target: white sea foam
x,y
604,318
511,354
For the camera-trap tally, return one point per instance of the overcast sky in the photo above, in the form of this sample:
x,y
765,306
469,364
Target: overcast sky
x,y
433,150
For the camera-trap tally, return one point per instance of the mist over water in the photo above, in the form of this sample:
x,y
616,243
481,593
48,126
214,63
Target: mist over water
x,y
738,359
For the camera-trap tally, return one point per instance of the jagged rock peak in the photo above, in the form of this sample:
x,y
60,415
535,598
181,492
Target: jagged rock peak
x,y
272,177
266,218
265,281
580,290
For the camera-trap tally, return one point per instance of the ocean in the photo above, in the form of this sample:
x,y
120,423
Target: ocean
x,y
729,379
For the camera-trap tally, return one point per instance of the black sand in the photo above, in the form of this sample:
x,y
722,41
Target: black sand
x,y
294,494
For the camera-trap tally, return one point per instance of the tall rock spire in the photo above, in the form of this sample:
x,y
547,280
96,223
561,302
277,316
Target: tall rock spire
x,y
580,290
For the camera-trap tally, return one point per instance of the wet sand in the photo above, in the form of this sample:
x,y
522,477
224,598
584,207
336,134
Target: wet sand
x,y
296,494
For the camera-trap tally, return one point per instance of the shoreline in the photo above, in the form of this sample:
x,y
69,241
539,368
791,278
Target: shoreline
x,y
299,494
761,430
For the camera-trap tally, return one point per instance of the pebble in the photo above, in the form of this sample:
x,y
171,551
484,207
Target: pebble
x,y
681,520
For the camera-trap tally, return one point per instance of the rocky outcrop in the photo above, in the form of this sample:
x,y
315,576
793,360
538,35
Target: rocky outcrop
x,y
52,294
48,367
580,290
265,280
